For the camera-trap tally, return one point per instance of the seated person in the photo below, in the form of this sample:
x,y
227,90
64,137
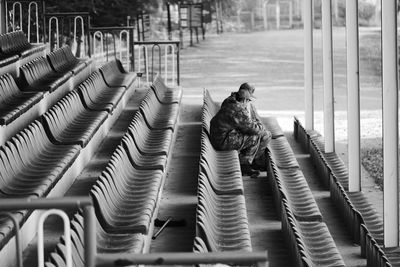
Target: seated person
x,y
237,126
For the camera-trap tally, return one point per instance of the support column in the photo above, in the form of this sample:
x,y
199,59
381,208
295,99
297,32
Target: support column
x,y
308,64
3,20
353,92
278,15
327,58
265,18
390,124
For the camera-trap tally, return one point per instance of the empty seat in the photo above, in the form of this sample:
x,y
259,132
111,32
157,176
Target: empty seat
x,y
33,164
141,161
158,116
282,154
165,94
97,95
115,76
37,75
14,102
149,142
221,220
125,198
16,43
68,122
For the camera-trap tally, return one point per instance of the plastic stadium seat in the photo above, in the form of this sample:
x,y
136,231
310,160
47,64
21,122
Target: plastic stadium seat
x,y
68,122
14,102
37,75
97,95
115,76
165,94
124,197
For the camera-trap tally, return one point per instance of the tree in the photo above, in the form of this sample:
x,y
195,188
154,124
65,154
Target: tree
x,y
103,12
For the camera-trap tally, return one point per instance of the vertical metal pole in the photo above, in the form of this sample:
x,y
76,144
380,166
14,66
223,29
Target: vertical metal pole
x,y
290,14
216,17
353,92
308,64
327,58
252,20
390,123
90,236
3,20
264,10
169,21
278,15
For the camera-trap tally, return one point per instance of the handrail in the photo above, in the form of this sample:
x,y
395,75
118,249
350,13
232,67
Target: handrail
x,y
167,47
82,37
183,258
152,59
20,14
168,44
17,237
67,236
146,57
57,32
121,33
36,20
84,203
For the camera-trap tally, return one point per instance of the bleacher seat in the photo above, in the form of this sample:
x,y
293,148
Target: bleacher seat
x,y
38,76
30,166
15,50
68,122
221,220
149,142
157,115
115,76
97,95
62,61
165,94
125,198
14,102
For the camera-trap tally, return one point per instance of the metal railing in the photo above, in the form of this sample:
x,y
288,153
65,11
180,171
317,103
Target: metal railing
x,y
164,58
113,42
66,203
181,258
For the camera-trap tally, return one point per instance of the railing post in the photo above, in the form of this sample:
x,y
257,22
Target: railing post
x,y
353,92
308,65
329,117
90,236
390,124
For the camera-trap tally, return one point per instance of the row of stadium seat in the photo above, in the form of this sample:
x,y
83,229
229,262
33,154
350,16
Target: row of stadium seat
x,y
35,159
221,217
15,51
43,81
365,224
302,221
128,190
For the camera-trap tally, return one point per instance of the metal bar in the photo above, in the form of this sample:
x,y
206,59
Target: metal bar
x,y
353,92
177,64
237,257
162,228
67,236
10,204
390,124
90,236
329,120
17,238
157,42
308,65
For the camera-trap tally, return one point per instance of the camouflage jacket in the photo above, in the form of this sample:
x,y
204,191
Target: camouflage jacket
x,y
231,122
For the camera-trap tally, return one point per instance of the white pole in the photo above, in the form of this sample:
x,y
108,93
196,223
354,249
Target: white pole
x,y
308,64
278,15
264,10
353,92
290,14
390,123
329,123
